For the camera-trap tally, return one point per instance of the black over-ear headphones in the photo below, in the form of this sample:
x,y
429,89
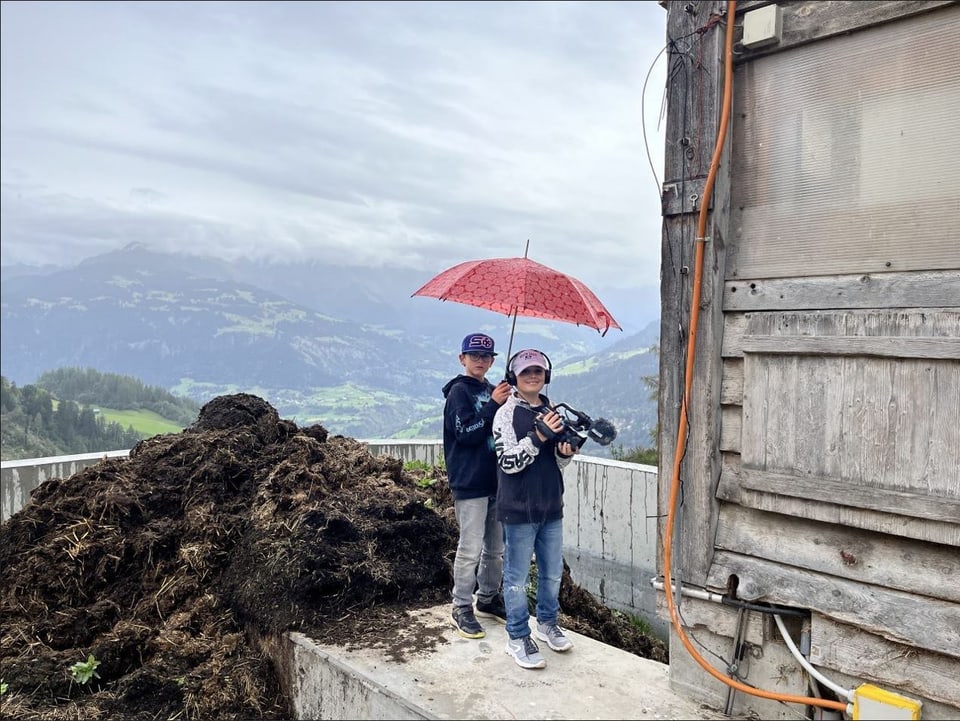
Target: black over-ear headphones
x,y
511,377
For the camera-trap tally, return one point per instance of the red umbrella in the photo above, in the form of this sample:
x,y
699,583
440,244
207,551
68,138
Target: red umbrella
x,y
520,286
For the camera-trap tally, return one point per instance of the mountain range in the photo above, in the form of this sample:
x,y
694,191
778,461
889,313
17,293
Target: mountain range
x,y
347,347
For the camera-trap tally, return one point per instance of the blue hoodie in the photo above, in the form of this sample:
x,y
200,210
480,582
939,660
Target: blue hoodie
x,y
467,438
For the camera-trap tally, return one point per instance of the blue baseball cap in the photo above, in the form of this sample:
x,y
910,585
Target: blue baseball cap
x,y
477,343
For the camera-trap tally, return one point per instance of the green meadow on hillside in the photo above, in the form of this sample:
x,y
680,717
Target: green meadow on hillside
x,y
145,423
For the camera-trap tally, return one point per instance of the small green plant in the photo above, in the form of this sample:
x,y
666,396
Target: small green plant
x,y
429,473
83,671
3,687
424,466
532,579
639,623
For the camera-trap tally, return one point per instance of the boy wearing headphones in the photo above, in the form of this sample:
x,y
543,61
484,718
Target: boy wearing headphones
x,y
471,402
530,506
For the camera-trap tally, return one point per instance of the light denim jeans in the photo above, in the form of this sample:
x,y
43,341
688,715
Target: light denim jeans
x,y
479,560
522,541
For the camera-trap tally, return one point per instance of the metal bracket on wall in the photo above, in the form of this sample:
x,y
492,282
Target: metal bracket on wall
x,y
682,196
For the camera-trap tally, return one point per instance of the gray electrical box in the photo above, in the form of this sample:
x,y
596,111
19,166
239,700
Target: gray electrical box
x,y
762,26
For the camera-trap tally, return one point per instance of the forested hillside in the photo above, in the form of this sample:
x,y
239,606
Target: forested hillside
x,y
59,415
87,386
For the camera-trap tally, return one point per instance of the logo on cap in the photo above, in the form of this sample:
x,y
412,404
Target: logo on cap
x,y
477,343
527,359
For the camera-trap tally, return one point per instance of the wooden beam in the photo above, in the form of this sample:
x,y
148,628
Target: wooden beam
x,y
695,89
931,289
729,489
883,321
851,345
844,493
880,559
895,615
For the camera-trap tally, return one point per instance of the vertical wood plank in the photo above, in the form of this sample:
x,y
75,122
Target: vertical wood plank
x,y
812,436
695,93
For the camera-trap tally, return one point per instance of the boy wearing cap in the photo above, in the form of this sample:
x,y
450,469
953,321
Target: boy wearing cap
x,y
471,403
530,506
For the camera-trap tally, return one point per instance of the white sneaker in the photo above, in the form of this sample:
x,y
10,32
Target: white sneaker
x,y
525,652
554,636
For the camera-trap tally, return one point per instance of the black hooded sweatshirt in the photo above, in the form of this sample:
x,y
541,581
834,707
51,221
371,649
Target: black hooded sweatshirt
x,y
467,438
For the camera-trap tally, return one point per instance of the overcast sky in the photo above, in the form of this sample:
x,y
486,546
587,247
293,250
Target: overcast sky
x,y
421,134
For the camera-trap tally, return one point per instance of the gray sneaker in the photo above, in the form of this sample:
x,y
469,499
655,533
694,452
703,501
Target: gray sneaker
x,y
554,636
525,652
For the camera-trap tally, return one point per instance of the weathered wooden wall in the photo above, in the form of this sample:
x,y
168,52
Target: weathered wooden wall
x,y
822,469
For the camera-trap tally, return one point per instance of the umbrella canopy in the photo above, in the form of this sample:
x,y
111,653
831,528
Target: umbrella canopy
x,y
520,286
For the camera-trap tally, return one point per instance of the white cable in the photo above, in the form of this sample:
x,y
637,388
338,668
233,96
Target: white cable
x,y
837,689
718,598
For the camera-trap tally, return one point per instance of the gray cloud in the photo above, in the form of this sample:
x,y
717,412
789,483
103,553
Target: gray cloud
x,y
419,134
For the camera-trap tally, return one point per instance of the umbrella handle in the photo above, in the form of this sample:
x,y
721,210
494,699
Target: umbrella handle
x,y
506,371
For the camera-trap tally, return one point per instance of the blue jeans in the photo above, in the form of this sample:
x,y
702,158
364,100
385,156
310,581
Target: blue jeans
x,y
523,540
479,560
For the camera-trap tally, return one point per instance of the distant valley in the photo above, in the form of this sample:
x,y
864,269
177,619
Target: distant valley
x,y
344,347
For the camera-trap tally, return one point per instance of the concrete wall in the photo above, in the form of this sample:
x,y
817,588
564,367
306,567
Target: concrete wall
x,y
610,534
610,517
19,478
324,687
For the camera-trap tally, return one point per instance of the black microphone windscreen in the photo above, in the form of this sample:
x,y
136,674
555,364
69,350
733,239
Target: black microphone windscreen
x,y
603,432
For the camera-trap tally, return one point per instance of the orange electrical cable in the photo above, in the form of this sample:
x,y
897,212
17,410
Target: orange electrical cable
x,y
688,383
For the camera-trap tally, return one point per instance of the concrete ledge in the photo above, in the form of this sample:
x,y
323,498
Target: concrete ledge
x,y
462,678
19,478
325,687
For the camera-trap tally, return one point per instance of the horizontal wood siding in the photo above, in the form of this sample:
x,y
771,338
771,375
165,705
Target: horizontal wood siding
x,y
846,648
844,493
932,289
731,384
886,612
852,345
730,489
875,558
928,322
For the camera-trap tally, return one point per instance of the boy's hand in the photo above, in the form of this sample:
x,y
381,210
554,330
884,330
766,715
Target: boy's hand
x,y
501,393
554,423
565,449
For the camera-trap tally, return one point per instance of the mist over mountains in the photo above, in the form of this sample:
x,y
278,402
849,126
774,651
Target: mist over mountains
x,y
347,347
